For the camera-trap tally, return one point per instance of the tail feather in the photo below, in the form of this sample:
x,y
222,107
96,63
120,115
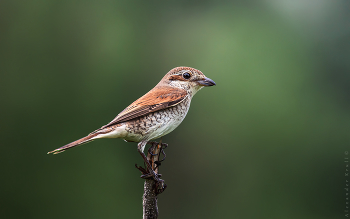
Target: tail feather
x,y
81,141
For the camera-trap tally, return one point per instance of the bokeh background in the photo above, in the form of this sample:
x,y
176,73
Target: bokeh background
x,y
267,142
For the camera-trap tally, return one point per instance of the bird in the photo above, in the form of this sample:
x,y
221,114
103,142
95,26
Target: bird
x,y
153,115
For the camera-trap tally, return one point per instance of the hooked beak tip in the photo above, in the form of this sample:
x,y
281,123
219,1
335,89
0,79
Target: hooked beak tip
x,y
206,82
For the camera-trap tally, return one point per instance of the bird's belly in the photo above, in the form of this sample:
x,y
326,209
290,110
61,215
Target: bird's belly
x,y
165,128
157,124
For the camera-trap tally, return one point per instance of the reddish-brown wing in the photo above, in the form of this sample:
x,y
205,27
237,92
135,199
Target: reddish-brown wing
x,y
158,98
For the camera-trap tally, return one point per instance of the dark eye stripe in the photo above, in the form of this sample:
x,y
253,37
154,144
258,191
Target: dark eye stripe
x,y
177,78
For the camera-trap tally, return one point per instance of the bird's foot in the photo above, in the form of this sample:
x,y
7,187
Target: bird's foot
x,y
152,162
160,185
146,174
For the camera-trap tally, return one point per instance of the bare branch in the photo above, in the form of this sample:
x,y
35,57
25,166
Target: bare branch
x,y
151,187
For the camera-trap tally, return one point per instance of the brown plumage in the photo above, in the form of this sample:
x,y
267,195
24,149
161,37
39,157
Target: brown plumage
x,y
158,98
155,114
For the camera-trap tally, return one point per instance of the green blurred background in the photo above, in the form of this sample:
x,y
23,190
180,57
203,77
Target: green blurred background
x,y
267,142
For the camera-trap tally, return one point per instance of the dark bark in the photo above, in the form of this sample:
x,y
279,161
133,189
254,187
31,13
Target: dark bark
x,y
150,206
152,188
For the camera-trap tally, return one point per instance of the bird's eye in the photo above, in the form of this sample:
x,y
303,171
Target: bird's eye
x,y
186,75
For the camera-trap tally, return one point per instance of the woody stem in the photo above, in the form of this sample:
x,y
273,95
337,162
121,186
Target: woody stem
x,y
151,186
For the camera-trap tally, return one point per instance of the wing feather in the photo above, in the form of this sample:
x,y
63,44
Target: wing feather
x,y
158,98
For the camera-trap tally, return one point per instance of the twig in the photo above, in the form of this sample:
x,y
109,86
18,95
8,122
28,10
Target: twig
x,y
151,187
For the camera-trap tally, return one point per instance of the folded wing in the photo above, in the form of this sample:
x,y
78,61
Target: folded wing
x,y
158,98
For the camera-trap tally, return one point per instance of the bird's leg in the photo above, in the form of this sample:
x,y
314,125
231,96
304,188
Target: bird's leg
x,y
152,143
143,170
149,172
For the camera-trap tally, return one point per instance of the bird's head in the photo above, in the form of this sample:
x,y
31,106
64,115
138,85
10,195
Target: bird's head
x,y
190,79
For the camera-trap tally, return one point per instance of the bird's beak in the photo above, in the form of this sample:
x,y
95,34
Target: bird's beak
x,y
206,82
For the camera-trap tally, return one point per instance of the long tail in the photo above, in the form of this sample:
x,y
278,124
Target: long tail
x,y
74,144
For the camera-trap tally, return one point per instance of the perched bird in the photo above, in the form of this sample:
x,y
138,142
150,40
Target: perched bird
x,y
155,114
